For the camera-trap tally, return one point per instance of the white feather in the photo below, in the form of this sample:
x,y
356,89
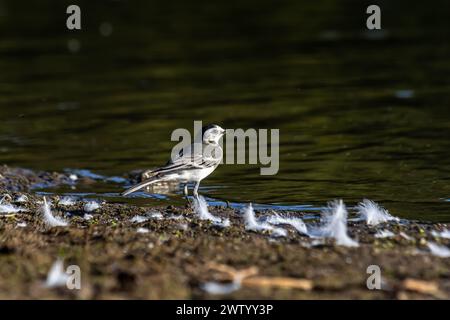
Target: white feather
x,y
138,219
56,277
174,217
10,208
252,224
444,234
21,199
216,288
295,222
437,250
384,234
142,230
201,208
67,201
91,206
279,232
49,218
156,215
335,226
373,214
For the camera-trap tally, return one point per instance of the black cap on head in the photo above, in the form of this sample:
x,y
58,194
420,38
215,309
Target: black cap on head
x,y
209,126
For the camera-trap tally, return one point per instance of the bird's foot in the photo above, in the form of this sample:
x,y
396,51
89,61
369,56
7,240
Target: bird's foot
x,y
189,203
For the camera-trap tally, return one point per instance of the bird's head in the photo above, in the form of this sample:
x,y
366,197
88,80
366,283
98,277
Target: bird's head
x,y
212,133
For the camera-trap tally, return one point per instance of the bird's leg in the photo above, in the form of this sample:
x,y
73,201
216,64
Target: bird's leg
x,y
195,192
186,193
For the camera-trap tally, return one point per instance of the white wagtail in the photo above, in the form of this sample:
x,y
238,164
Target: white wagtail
x,y
193,163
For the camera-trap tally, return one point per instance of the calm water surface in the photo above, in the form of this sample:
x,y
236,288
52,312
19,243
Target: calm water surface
x,y
361,115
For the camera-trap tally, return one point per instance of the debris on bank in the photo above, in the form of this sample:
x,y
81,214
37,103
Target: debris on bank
x,y
165,252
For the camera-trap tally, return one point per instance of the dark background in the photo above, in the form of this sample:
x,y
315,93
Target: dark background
x,y
361,113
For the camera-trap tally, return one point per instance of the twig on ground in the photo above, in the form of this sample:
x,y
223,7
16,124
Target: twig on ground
x,y
250,279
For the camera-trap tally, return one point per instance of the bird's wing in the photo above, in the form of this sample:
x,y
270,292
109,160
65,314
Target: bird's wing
x,y
185,160
188,159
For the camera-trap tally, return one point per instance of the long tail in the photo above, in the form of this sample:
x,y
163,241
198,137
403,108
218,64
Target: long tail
x,y
141,185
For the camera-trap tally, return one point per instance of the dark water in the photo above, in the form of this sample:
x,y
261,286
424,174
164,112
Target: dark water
x,y
360,114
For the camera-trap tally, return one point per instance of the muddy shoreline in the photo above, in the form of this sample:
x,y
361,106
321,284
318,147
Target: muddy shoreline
x,y
175,253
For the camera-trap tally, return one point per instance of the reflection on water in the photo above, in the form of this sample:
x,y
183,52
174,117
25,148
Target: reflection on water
x,y
360,114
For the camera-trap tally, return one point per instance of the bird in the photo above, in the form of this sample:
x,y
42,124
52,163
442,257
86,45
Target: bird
x,y
192,164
